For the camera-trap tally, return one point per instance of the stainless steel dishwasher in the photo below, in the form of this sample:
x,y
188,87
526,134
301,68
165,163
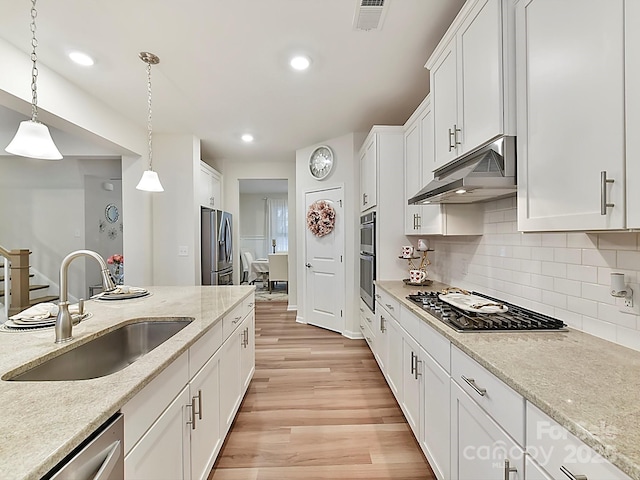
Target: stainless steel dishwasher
x,y
100,457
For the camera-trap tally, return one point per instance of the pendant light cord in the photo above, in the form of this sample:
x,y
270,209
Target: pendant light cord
x,y
34,67
149,125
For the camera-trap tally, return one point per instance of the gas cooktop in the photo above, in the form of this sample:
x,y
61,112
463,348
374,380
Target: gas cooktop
x,y
502,317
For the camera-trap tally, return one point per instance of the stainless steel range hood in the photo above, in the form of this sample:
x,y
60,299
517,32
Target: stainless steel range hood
x,y
487,173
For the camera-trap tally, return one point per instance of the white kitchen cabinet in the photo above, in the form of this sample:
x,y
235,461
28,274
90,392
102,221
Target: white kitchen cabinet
x,y
411,382
230,380
248,351
632,110
382,336
445,219
533,471
394,371
571,116
210,187
560,455
163,451
368,174
472,80
206,437
435,406
480,448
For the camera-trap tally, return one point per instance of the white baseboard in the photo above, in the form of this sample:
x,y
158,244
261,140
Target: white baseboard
x,y
300,319
292,308
353,335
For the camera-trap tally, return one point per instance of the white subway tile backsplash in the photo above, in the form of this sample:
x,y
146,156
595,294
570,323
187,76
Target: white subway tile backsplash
x,y
554,269
568,287
554,240
599,258
567,255
566,275
628,260
617,241
584,273
583,306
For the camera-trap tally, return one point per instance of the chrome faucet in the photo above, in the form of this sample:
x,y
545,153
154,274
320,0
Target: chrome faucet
x,y
64,323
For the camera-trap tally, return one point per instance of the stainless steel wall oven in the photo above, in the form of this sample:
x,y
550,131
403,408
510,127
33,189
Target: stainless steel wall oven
x,y
368,258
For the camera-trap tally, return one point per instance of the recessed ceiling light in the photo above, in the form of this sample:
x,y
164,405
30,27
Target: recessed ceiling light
x,y
247,137
81,58
300,62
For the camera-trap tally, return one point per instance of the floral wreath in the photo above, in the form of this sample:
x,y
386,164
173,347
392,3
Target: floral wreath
x,y
321,218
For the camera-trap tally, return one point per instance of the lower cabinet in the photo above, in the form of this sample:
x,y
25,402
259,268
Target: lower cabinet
x,y
394,371
182,440
411,382
163,451
480,449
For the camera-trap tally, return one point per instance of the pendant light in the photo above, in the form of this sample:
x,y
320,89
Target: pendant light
x,y
33,139
150,182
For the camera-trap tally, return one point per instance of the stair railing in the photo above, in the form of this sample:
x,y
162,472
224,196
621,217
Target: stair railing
x,y
15,265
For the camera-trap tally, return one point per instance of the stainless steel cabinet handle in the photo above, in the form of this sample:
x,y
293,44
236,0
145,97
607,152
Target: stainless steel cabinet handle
x,y
250,305
236,320
566,471
455,136
413,365
246,337
368,339
472,383
199,397
368,319
419,219
364,198
110,462
417,372
382,322
603,192
308,265
378,296
362,309
451,146
192,405
389,306
508,469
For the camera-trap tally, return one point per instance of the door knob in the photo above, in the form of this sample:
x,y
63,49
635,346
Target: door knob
x,y
308,265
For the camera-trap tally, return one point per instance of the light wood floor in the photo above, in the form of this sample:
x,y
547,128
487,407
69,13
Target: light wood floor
x,y
318,407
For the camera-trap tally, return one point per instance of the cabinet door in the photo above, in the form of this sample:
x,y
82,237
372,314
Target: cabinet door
x,y
394,359
412,177
445,104
206,438
479,447
534,471
230,359
163,452
204,187
480,101
368,175
382,337
570,115
411,382
434,415
248,351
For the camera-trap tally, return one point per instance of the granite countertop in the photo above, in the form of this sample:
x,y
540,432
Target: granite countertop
x,y
588,385
42,422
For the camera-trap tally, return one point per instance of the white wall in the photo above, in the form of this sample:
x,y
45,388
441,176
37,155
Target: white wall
x,y
346,173
565,275
233,171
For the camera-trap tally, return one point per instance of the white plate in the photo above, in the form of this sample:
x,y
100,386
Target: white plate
x,y
473,303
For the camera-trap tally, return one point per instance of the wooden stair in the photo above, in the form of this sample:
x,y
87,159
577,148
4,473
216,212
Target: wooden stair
x,y
32,288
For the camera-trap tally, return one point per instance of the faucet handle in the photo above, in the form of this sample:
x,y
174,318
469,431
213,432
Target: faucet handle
x,y
81,306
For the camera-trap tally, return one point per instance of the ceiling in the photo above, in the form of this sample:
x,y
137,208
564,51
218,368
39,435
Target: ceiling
x,y
224,69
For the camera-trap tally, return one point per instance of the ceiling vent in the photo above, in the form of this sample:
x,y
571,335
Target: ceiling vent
x,y
370,14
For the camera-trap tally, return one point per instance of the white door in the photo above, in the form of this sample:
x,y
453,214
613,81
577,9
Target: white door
x,y
324,299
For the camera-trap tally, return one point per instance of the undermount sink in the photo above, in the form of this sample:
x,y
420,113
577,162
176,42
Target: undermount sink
x,y
106,354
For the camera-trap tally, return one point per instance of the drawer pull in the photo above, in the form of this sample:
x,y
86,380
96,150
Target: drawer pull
x,y
361,309
417,373
413,364
383,328
192,405
378,296
566,471
368,319
389,306
250,305
508,469
236,320
472,383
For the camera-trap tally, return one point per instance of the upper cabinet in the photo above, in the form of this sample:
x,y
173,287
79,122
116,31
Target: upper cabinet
x,y
210,187
577,62
472,80
369,173
418,171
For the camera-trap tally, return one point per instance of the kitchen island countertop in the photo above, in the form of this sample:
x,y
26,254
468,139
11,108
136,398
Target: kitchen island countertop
x,y
588,385
42,422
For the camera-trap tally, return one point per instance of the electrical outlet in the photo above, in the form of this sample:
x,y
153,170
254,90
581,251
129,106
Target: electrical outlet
x,y
183,251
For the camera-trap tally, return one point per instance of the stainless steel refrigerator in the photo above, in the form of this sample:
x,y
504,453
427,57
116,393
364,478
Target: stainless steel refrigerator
x,y
217,247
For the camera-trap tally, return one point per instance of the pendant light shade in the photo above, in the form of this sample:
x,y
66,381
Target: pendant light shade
x,y
150,182
33,139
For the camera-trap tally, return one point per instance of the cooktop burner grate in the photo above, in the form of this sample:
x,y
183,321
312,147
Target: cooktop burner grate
x,y
515,318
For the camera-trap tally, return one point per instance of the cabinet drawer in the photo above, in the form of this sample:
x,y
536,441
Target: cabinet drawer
x,y
561,454
369,318
366,332
232,319
436,345
142,410
204,348
389,302
248,304
500,401
410,322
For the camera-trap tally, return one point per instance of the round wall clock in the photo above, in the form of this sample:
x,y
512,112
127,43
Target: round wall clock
x,y
321,162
